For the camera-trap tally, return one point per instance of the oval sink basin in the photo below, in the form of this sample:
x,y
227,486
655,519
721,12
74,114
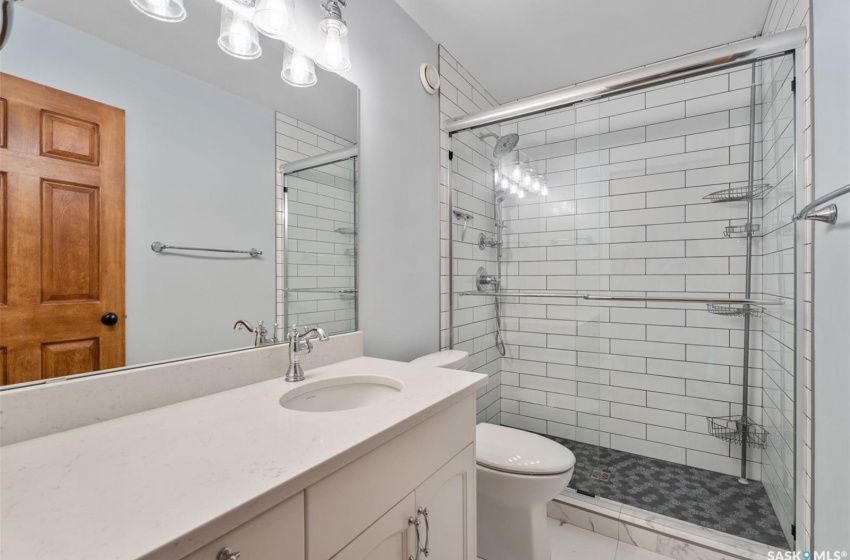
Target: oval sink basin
x,y
340,393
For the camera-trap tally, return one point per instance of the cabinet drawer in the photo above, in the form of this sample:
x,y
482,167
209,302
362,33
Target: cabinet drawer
x,y
344,504
277,534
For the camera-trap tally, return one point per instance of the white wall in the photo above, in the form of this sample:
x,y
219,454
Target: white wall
x,y
831,64
399,231
200,171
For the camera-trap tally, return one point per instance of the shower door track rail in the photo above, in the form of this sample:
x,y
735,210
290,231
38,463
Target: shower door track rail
x,y
656,299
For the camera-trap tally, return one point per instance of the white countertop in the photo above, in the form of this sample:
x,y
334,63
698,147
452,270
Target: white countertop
x,y
161,483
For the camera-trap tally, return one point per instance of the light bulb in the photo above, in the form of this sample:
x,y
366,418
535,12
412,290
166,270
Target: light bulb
x,y
275,18
238,36
513,187
517,173
170,11
298,70
521,193
334,55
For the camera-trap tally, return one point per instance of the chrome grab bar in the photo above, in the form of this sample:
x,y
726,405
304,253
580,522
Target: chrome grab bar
x,y
658,299
322,290
828,214
158,247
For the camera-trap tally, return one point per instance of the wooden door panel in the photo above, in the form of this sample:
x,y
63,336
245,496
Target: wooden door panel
x,y
65,137
62,234
4,251
69,242
2,122
3,366
69,357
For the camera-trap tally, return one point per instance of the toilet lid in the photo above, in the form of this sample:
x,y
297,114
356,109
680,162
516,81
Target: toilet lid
x,y
451,359
515,451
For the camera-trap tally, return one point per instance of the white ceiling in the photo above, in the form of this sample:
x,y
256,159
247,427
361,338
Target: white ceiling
x,y
517,48
190,47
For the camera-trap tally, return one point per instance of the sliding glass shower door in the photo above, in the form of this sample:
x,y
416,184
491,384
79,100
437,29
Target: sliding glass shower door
x,y
641,250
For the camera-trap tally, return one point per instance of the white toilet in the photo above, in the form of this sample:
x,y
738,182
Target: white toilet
x,y
517,474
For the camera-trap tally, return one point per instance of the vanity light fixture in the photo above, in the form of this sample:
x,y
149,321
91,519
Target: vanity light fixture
x,y
275,18
170,11
333,30
238,36
298,69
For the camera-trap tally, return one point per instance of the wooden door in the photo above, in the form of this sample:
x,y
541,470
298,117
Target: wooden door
x,y
389,538
61,233
449,496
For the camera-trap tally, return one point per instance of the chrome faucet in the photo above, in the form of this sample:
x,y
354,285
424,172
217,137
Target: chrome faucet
x,y
299,344
260,332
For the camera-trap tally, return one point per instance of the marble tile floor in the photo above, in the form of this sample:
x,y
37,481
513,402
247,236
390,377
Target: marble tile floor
x,y
574,543
698,496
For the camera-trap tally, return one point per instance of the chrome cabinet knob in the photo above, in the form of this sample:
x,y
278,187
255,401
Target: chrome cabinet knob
x,y
227,554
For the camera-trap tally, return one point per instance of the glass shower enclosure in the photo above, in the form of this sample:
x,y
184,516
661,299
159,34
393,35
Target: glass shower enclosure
x,y
624,269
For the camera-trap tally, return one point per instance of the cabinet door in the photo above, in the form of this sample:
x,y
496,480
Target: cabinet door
x,y
389,538
449,496
277,534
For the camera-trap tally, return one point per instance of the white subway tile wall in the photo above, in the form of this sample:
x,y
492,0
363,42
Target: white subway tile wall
x,y
322,240
474,320
626,215
778,266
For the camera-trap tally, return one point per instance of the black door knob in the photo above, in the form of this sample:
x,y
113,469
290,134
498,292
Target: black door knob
x,y
109,319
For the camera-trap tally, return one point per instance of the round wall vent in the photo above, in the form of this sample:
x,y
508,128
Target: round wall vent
x,y
430,77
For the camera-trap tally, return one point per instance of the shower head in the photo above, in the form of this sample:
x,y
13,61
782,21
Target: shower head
x,y
504,144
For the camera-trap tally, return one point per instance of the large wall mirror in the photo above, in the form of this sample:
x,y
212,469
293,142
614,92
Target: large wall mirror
x,y
120,132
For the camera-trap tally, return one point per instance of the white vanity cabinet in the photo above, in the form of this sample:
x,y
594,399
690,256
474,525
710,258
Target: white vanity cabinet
x,y
275,534
433,462
367,510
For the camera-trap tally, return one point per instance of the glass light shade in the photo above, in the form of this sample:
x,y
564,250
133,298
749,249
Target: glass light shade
x,y
505,184
275,18
238,36
517,174
513,187
170,11
334,55
298,69
521,193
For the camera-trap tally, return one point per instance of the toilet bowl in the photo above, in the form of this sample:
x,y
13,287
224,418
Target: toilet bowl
x,y
517,474
450,359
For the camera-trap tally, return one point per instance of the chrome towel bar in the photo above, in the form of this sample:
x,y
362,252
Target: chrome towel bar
x,y
657,299
828,214
158,247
